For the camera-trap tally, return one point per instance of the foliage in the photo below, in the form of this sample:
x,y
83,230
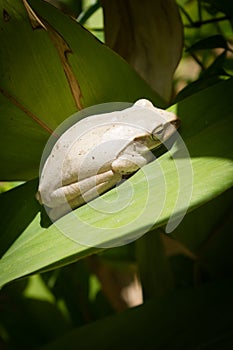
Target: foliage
x,y
51,67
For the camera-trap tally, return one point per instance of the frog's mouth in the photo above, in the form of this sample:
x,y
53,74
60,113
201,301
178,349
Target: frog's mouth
x,y
168,138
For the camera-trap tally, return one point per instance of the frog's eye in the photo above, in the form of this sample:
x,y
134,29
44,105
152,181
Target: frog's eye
x,y
158,132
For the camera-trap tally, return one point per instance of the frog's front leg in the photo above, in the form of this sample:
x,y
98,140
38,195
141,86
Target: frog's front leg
x,y
131,161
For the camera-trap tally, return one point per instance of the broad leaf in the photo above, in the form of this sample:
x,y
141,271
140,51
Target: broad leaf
x,y
200,318
50,67
211,42
206,129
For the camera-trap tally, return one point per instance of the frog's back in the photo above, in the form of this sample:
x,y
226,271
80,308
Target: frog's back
x,y
92,144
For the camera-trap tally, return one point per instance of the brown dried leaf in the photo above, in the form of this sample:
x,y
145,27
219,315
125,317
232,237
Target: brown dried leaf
x,y
148,34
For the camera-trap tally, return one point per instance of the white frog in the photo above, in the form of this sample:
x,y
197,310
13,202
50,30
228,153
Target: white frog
x,y
94,154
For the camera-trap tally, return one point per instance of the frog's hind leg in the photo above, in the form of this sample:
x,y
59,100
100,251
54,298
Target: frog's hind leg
x,y
99,188
74,195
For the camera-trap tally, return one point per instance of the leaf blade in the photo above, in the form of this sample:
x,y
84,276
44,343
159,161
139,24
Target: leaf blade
x,y
211,158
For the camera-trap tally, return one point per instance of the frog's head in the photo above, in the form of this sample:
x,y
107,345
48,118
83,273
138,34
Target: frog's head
x,y
161,125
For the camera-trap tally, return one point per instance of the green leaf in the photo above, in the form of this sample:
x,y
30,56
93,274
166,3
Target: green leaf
x,y
212,42
214,74
29,314
50,67
18,209
199,318
209,220
86,14
206,129
70,7
197,86
224,6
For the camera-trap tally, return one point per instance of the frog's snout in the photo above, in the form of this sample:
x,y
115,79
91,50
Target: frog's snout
x,y
170,127
176,123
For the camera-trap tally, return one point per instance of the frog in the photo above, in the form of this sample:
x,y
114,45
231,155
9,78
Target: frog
x,y
100,151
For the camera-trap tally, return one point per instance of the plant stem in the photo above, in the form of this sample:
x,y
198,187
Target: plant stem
x,y
155,272
198,24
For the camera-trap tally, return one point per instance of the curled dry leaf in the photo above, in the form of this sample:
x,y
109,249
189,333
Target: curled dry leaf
x,y
148,34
